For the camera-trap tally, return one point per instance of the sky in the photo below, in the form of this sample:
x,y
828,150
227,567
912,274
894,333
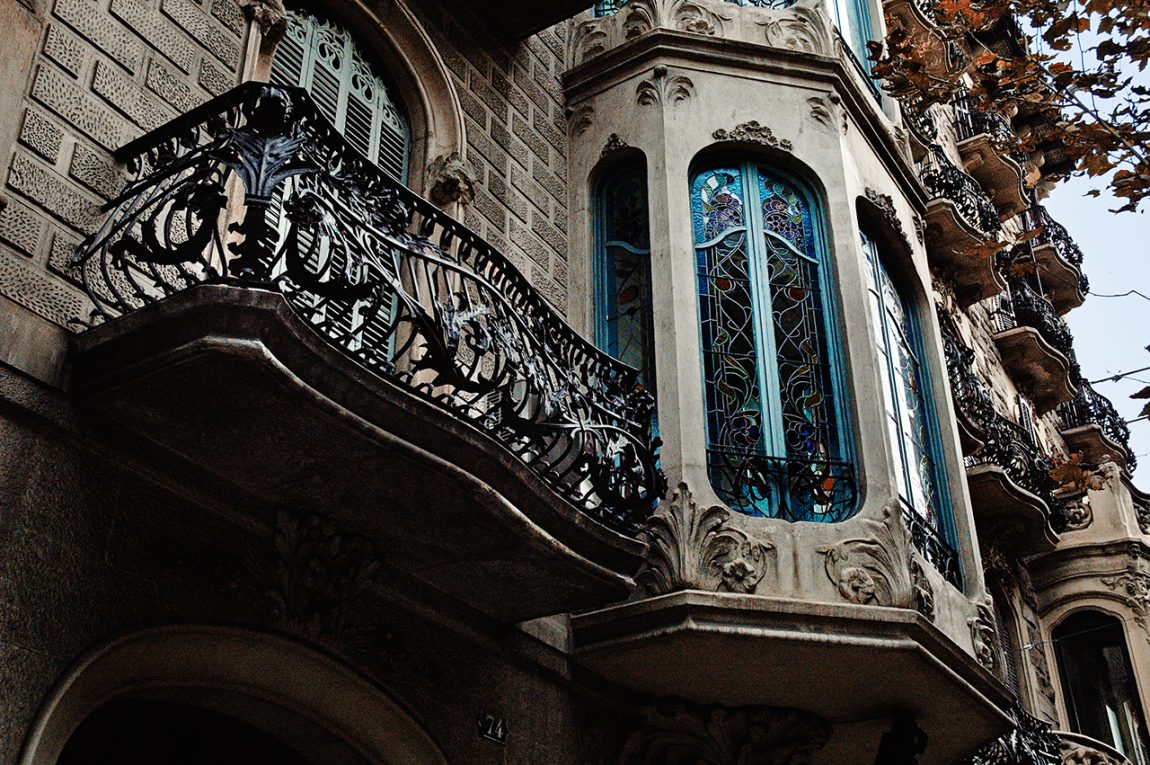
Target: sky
x,y
1111,333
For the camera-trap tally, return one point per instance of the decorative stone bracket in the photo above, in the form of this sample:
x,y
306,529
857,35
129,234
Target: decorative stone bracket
x,y
449,180
875,569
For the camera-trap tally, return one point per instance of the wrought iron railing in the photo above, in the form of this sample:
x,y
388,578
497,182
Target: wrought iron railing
x,y
782,487
609,7
863,70
1005,443
1022,306
256,189
1088,407
937,550
969,122
943,180
1053,233
920,122
1030,742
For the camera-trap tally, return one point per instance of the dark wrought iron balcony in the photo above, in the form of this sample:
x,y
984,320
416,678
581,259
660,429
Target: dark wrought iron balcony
x,y
984,141
1089,408
943,180
970,122
1025,307
1057,258
384,277
1036,346
1032,742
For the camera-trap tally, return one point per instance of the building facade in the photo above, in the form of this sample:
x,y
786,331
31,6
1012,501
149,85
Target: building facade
x,y
517,382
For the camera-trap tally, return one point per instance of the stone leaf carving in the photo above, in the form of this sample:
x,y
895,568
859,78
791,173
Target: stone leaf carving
x,y
639,18
752,132
449,180
675,732
982,633
923,591
802,27
581,119
589,40
691,17
1074,753
269,15
1078,514
873,569
826,110
614,144
693,548
664,88
885,205
1134,587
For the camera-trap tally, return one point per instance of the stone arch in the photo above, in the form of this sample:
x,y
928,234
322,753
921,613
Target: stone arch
x,y
242,673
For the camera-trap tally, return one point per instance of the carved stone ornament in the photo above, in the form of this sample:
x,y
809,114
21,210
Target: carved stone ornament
x,y
982,634
1133,586
752,132
885,204
693,548
827,110
664,88
1078,514
923,591
802,27
676,733
873,569
449,180
581,119
1074,753
1142,511
639,18
689,16
614,144
589,39
269,15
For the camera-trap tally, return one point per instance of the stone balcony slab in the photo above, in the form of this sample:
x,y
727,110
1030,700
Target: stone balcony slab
x,y
1008,514
997,172
950,240
1042,372
1061,280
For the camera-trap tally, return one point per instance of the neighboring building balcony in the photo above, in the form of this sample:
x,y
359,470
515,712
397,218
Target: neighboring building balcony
x,y
984,139
918,20
922,129
960,219
1092,427
1077,749
1012,492
1058,260
1036,346
275,310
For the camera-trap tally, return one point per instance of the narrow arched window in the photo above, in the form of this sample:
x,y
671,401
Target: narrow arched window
x,y
910,417
323,58
623,320
775,424
1098,683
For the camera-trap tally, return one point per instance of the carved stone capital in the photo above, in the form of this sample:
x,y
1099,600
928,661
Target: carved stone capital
x,y
693,548
269,15
677,732
873,569
753,132
449,180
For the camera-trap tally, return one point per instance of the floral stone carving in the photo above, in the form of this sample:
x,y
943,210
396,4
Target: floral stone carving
x,y
923,591
753,132
982,634
664,87
692,548
675,733
692,17
1074,753
873,569
1134,586
802,27
885,205
450,181
614,144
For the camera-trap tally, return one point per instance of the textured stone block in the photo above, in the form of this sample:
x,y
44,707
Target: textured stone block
x,y
215,79
142,108
228,13
549,234
79,108
47,189
193,21
65,49
550,132
60,256
169,86
96,170
86,18
41,135
548,180
529,136
20,227
158,31
37,291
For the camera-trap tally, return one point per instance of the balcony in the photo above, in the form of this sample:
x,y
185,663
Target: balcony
x,y
1092,427
922,129
1077,749
960,219
1036,346
1031,742
1057,259
984,141
275,310
1012,492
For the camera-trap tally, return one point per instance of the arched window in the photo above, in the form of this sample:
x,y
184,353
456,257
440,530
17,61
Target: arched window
x,y
322,58
776,443
910,417
623,272
1098,683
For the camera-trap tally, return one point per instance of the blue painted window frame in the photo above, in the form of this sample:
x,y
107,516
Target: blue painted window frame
x,y
842,433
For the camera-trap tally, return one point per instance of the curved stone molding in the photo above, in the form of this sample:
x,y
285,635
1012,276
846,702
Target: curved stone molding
x,y
923,591
803,27
581,119
614,144
676,732
664,87
983,633
873,569
753,132
449,180
692,548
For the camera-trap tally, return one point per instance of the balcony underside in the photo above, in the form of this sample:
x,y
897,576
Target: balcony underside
x,y
1061,280
233,381
1092,443
1040,371
906,15
1007,514
998,173
843,662
950,241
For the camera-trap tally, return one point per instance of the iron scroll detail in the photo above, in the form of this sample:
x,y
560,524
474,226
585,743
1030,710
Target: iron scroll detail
x,y
255,189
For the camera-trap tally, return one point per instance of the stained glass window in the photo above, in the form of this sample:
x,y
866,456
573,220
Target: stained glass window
x,y
774,446
623,273
908,411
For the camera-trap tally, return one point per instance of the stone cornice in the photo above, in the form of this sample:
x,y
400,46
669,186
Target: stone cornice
x,y
637,55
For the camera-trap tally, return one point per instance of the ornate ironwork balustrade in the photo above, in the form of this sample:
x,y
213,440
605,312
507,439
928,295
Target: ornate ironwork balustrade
x,y
608,7
255,189
943,180
1030,742
1089,407
920,122
1025,307
969,121
1053,233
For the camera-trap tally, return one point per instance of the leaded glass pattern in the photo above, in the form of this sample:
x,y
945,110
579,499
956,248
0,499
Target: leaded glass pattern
x,y
609,7
908,411
773,444
623,307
